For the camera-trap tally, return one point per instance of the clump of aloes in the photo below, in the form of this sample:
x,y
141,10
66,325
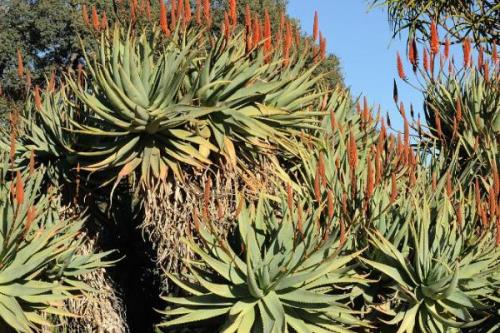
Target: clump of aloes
x,y
281,274
445,275
460,102
39,266
176,97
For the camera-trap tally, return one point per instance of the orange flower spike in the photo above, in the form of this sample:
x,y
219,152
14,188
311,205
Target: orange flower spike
x,y
322,47
256,31
460,217
366,110
411,52
148,10
322,169
344,204
196,220
37,98
248,17
352,151
316,26
370,181
267,34
19,189
486,71
173,15
187,12
330,204
458,109
226,26
95,19
333,123
426,61
85,15
434,38
480,57
447,48
394,188
466,47
198,12
492,201
406,132
233,12
180,9
104,20
437,119
401,71
300,223
477,193
342,233
30,218
20,65
164,18
207,13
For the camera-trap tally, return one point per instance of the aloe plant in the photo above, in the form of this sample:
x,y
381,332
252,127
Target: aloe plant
x,y
446,277
39,267
287,276
159,104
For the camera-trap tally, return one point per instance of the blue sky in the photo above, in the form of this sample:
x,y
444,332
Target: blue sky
x,y
362,40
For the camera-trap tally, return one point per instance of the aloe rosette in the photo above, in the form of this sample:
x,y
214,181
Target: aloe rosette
x,y
288,277
39,266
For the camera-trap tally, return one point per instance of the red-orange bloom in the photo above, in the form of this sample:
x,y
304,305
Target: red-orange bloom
x,y
458,109
434,38
322,46
466,46
401,70
37,98
30,217
248,16
104,20
198,11
95,19
20,65
19,188
426,61
370,181
352,152
233,12
148,10
164,18
394,188
206,12
85,15
480,57
187,12
330,204
267,34
316,26
447,48
256,31
226,26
